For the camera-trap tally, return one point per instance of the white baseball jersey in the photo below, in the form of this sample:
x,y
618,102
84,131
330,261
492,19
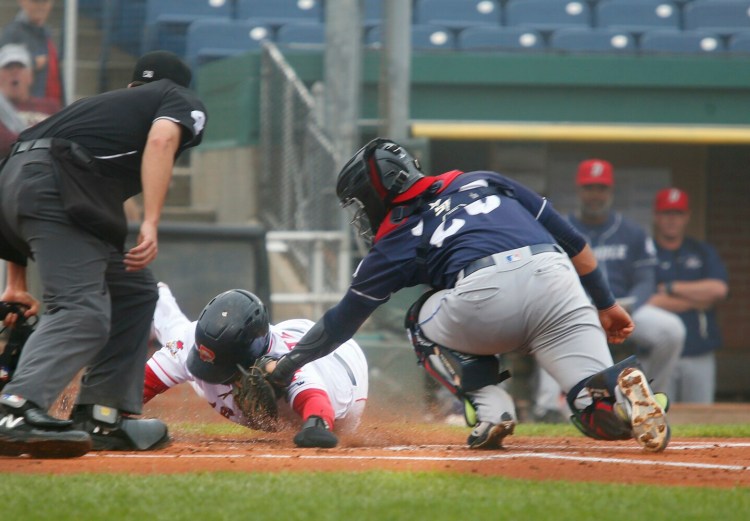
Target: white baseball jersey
x,y
342,374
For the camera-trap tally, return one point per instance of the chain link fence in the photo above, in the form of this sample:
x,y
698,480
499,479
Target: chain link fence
x,y
298,166
298,203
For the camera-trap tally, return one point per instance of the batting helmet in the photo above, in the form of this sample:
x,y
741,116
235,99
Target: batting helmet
x,y
377,173
232,330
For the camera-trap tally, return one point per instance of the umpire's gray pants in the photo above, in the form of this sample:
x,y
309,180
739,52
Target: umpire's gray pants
x,y
535,305
96,314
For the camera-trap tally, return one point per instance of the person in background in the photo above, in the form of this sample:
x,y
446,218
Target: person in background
x,y
62,190
29,28
627,257
507,273
691,281
18,108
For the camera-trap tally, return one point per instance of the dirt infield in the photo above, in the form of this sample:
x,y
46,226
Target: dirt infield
x,y
408,445
712,463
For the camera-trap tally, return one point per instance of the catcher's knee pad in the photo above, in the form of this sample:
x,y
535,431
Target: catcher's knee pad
x,y
458,372
600,419
461,373
422,346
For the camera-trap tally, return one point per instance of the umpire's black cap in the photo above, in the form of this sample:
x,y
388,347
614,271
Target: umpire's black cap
x,y
160,65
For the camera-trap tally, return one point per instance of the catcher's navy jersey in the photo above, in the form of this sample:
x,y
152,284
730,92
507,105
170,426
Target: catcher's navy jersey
x,y
453,236
694,260
114,126
626,256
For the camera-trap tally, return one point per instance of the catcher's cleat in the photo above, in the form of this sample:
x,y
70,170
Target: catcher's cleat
x,y
29,430
647,416
489,436
109,430
315,433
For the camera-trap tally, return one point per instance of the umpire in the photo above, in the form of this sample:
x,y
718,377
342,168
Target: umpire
x,y
62,190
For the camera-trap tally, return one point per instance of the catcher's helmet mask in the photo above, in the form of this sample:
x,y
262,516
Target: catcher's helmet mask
x,y
371,179
233,329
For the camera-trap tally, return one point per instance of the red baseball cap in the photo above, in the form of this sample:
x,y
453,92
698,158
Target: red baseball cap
x,y
671,199
595,172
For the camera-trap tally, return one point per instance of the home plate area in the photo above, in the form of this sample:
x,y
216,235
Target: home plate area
x,y
687,462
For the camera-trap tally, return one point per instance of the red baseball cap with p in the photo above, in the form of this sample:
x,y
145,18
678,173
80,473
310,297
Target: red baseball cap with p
x,y
671,199
595,172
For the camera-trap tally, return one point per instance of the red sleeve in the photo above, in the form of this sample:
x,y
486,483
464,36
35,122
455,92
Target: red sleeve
x,y
152,385
314,402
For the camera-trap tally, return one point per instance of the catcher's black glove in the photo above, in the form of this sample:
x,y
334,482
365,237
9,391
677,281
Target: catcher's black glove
x,y
256,397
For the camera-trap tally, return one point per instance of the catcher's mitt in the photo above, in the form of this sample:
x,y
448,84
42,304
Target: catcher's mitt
x,y
256,398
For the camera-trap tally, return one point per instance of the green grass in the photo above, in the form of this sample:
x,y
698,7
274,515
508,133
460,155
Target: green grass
x,y
359,496
363,496
741,430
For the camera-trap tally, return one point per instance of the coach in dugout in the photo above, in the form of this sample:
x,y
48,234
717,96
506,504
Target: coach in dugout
x,y
61,203
692,280
627,257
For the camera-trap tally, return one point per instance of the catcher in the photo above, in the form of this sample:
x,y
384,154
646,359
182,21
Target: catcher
x,y
216,355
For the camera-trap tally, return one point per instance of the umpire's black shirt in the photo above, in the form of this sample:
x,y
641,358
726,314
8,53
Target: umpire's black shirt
x,y
114,126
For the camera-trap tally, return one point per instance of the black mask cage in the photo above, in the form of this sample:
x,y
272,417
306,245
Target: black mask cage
x,y
371,179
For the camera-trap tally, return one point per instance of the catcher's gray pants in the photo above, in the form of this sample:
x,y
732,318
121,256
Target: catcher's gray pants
x,y
96,314
535,305
694,379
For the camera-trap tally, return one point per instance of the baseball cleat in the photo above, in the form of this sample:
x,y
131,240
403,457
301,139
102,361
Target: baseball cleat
x,y
33,432
315,433
489,436
647,416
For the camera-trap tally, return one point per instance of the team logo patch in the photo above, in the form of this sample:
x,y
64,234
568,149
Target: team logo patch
x,y
206,355
148,74
174,347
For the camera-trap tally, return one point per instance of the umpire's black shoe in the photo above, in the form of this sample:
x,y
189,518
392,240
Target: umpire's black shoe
x,y
109,430
27,429
315,433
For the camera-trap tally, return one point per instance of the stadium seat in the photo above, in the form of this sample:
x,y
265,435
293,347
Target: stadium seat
x,y
91,8
457,14
578,39
212,39
547,15
167,21
423,38
130,18
302,35
280,12
695,42
724,17
373,12
487,38
637,15
739,42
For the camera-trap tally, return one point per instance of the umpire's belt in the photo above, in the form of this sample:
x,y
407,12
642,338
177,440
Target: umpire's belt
x,y
508,258
34,144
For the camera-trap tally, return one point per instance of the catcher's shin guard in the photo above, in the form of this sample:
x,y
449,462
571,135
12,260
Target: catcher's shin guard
x,y
603,419
623,407
462,374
